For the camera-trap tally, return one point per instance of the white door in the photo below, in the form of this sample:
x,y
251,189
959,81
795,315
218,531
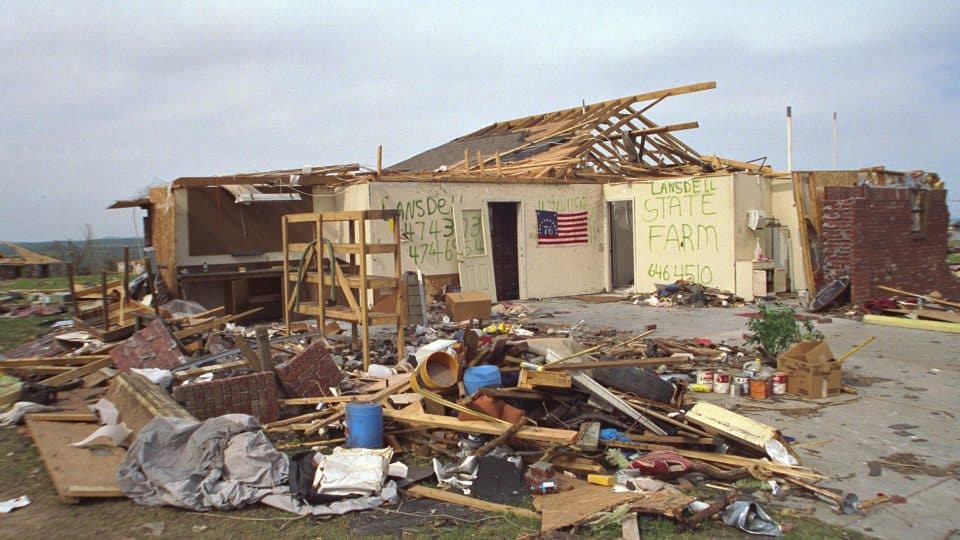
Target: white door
x,y
474,260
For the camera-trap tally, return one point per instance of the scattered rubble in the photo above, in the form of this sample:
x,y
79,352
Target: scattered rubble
x,y
504,407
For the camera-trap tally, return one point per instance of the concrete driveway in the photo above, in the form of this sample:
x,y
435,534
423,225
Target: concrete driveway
x,y
909,397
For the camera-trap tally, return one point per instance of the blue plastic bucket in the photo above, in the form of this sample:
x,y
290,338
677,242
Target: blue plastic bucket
x,y
364,425
481,376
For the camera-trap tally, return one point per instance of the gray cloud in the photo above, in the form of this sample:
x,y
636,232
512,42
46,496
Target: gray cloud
x,y
102,99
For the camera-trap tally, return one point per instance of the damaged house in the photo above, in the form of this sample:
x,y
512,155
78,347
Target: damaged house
x,y
591,198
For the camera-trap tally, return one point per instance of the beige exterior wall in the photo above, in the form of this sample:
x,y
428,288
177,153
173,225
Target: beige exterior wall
x,y
683,229
784,208
428,211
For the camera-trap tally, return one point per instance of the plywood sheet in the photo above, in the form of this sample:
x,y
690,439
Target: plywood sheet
x,y
76,472
573,506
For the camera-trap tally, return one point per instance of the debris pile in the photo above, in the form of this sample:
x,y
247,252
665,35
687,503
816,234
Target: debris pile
x,y
586,420
685,293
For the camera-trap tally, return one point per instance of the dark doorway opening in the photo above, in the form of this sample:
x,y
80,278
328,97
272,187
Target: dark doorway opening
x,y
621,243
506,254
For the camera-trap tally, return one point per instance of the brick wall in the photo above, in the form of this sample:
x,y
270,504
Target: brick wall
x,y
309,373
867,234
254,394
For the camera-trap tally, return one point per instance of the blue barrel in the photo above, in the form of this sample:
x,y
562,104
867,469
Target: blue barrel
x,y
481,376
364,425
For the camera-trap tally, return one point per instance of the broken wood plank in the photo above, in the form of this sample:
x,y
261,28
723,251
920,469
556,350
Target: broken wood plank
x,y
34,370
82,371
69,467
570,366
52,361
193,330
470,502
317,400
915,295
530,379
901,322
531,433
64,417
193,372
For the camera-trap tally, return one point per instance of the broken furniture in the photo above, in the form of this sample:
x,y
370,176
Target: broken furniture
x,y
351,281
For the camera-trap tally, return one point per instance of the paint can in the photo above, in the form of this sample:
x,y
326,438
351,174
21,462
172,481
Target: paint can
x,y
721,382
779,383
705,377
735,389
758,388
743,381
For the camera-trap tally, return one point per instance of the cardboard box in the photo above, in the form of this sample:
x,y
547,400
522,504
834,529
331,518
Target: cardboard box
x,y
811,370
813,386
463,306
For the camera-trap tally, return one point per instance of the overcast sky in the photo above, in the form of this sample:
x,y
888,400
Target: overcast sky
x,y
101,100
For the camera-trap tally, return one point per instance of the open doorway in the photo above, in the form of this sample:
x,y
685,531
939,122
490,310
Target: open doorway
x,y
505,246
621,243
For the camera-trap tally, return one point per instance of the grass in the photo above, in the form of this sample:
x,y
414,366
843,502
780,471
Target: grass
x,y
953,258
15,331
54,282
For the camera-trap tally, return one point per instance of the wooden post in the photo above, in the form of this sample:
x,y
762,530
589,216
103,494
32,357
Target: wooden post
x,y
263,346
151,289
379,161
106,304
126,283
480,161
499,169
73,293
466,160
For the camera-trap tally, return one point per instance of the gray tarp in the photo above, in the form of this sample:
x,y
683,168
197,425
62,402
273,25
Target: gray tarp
x,y
225,462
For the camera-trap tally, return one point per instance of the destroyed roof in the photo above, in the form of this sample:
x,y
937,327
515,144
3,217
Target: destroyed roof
x,y
323,175
24,256
319,175
613,137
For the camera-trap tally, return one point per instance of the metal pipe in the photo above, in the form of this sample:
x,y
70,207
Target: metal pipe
x,y
789,140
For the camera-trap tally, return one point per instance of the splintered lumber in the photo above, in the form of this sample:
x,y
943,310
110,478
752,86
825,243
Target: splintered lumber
x,y
52,361
530,379
64,417
576,464
378,397
571,366
297,419
530,433
317,400
193,330
82,371
915,295
502,438
192,372
470,502
76,472
573,506
720,421
902,322
34,370
726,459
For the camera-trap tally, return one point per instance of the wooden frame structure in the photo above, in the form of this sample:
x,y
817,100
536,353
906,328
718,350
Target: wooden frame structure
x,y
353,283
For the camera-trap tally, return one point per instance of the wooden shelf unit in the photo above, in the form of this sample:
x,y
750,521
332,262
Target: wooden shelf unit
x,y
352,284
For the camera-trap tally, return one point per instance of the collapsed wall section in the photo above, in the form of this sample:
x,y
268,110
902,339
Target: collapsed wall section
x,y
892,237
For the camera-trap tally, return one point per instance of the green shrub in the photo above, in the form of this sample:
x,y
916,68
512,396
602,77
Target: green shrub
x,y
777,328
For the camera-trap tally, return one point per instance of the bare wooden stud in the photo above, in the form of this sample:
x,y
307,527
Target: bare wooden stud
x,y
106,304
